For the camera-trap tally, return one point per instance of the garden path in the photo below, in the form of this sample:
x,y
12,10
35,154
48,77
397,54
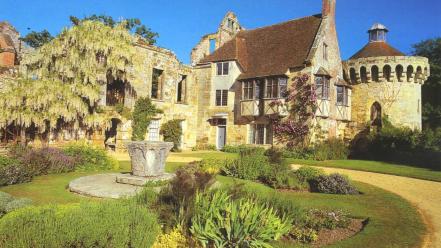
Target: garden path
x,y
425,195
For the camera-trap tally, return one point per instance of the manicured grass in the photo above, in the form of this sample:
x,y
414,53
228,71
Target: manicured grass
x,y
208,154
374,166
393,222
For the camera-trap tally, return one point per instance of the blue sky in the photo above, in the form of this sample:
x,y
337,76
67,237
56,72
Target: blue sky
x,y
182,23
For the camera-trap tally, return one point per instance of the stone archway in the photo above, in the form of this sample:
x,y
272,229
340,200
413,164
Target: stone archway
x,y
376,115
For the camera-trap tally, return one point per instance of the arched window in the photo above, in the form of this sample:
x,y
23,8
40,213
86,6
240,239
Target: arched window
x,y
409,73
376,114
353,75
399,72
386,72
345,75
426,73
374,73
363,74
419,72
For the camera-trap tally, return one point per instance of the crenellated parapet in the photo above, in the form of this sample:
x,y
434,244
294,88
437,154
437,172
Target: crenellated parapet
x,y
411,69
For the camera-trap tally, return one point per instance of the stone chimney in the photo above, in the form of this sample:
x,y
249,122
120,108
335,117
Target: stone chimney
x,y
328,8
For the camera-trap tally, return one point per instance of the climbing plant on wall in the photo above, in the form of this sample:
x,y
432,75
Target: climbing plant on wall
x,y
172,132
142,115
61,80
302,105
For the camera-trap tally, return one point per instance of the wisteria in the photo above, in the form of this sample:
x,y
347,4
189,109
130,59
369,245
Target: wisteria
x,y
301,102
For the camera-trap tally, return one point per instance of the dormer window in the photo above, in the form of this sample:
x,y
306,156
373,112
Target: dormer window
x,y
222,68
377,33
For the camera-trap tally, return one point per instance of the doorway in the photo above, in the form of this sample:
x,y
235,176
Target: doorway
x,y
221,136
376,120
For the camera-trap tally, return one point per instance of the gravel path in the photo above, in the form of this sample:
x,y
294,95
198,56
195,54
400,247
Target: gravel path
x,y
425,195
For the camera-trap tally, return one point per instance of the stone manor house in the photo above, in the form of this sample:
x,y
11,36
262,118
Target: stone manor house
x,y
225,95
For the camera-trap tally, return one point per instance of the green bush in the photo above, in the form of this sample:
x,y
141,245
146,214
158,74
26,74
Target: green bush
x,y
142,115
323,219
12,171
400,145
333,184
221,222
243,149
306,174
330,149
302,234
248,167
90,158
172,132
9,203
104,224
204,147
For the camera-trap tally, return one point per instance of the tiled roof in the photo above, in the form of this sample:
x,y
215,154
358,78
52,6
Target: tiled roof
x,y
377,49
270,50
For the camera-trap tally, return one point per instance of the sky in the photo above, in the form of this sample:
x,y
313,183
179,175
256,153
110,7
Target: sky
x,y
181,24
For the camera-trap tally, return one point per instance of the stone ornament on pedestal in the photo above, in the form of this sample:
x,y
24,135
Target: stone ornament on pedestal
x,y
148,162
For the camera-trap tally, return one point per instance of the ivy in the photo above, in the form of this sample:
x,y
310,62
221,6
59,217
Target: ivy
x,y
142,115
172,132
302,105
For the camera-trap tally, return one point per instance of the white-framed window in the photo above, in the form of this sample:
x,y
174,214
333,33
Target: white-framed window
x,y
342,95
222,68
322,87
272,88
260,134
221,97
283,87
153,130
248,90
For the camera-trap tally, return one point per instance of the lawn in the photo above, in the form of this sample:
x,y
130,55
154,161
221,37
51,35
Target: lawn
x,y
375,166
393,222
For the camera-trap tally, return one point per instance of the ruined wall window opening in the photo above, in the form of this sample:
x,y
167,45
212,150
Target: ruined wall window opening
x,y
322,87
353,75
325,52
426,72
230,23
153,130
157,81
419,72
223,68
115,92
387,70
181,91
375,74
409,73
260,134
221,97
363,74
212,45
342,96
399,71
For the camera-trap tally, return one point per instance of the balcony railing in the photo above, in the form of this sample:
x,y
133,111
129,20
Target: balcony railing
x,y
263,107
249,108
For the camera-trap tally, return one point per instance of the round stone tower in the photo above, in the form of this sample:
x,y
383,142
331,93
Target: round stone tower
x,y
386,83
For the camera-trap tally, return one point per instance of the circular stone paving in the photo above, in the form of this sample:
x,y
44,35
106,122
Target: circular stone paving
x,y
103,186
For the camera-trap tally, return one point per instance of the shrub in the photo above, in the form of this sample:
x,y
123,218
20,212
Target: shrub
x,y
306,174
204,147
104,224
331,149
243,148
9,203
90,158
333,184
172,132
221,222
42,161
142,115
304,235
12,171
319,219
275,156
248,167
174,239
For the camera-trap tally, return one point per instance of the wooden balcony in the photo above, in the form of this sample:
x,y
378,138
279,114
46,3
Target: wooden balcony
x,y
249,108
323,108
275,107
343,113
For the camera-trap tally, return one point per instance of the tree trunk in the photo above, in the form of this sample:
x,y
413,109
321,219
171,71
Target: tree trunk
x,y
23,136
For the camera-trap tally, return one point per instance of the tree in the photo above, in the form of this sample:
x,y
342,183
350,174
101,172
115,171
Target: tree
x,y
431,90
62,79
132,24
37,39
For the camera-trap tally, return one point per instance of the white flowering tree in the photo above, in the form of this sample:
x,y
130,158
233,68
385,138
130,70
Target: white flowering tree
x,y
61,81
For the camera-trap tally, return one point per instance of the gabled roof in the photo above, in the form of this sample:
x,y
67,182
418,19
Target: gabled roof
x,y
377,49
270,50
